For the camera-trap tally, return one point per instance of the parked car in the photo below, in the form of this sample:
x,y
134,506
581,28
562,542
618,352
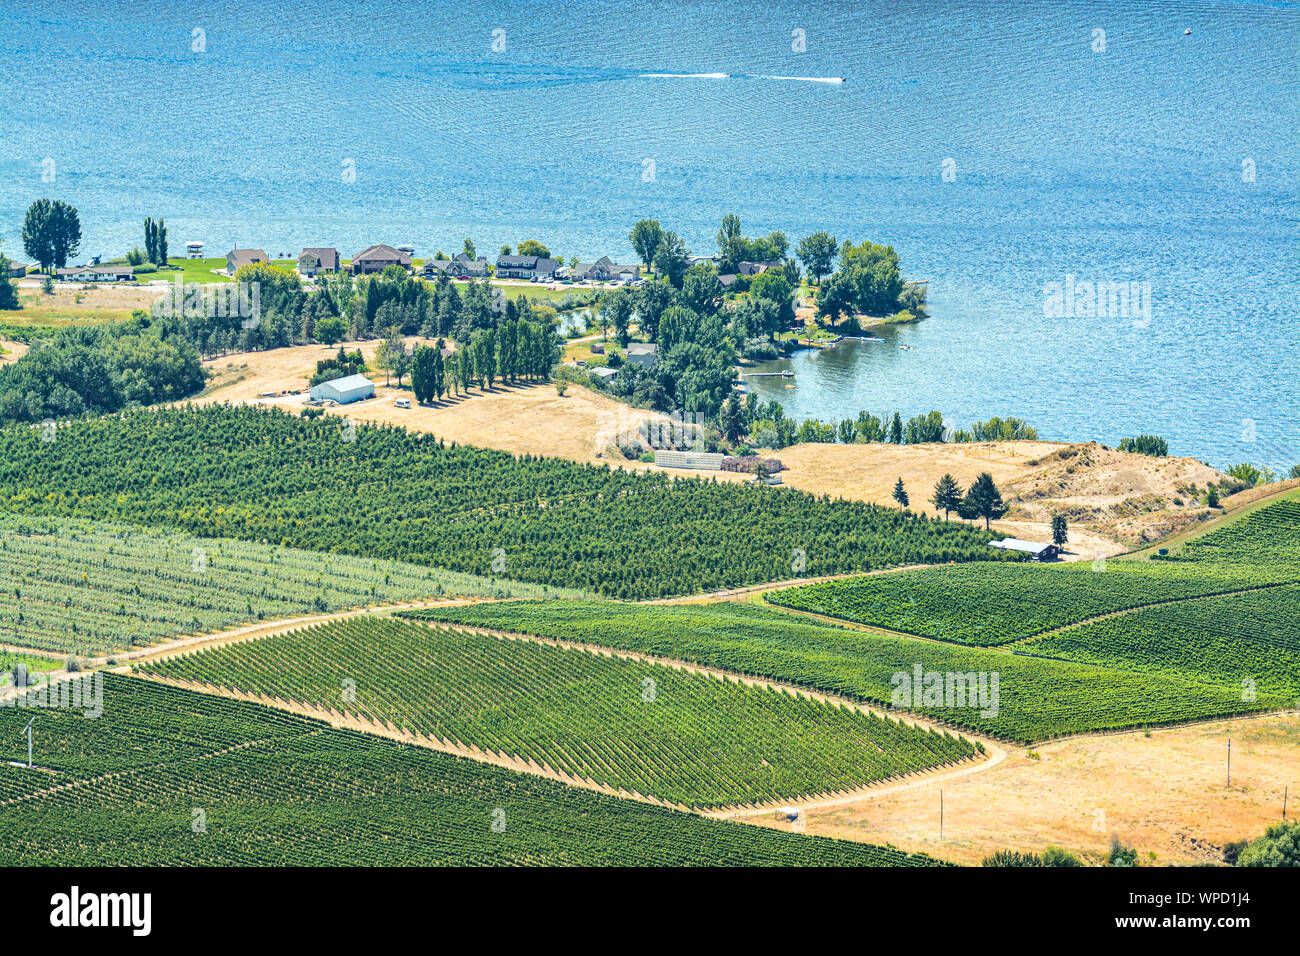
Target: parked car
x,y
403,403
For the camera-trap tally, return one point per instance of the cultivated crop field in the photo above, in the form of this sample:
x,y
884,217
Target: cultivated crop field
x,y
988,605
682,737
1037,698
169,777
85,587
1249,641
329,485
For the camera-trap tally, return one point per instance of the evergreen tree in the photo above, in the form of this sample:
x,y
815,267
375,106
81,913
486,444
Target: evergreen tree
x,y
947,495
984,500
896,429
900,494
1059,535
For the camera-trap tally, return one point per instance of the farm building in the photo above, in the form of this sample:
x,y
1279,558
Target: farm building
x,y
17,269
701,460
351,388
604,372
1040,552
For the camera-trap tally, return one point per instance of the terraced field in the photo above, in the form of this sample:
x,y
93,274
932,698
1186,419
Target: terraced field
x,y
993,604
686,738
86,587
1036,699
169,777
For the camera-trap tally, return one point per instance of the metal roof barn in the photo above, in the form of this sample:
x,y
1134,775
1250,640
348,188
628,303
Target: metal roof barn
x,y
351,388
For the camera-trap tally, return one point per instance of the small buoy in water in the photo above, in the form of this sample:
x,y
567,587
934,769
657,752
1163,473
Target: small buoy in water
x,y
1187,32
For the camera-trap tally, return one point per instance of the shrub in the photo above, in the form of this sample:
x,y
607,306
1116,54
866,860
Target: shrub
x,y
1152,445
1012,858
1279,846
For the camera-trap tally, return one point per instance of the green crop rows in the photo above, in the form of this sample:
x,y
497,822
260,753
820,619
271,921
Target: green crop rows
x,y
84,587
264,475
1248,641
990,604
170,777
683,737
1038,698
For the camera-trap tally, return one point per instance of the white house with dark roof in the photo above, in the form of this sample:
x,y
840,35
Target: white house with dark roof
x,y
642,353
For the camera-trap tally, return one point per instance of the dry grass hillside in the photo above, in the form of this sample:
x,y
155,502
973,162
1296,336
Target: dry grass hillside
x,y
1116,496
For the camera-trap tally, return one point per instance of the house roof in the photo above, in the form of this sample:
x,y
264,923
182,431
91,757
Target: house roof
x,y
383,252
110,270
349,382
329,258
641,348
754,268
536,263
243,257
1017,544
604,371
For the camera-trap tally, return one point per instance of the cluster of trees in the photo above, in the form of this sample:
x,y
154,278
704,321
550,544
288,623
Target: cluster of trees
x,y
981,500
767,426
51,233
868,281
97,369
155,245
517,350
1152,445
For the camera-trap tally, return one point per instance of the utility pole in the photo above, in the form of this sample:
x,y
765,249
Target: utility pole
x,y
1230,761
1284,792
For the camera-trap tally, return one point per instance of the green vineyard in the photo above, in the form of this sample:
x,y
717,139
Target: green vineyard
x,y
328,485
85,587
169,777
1249,641
1037,698
686,738
988,605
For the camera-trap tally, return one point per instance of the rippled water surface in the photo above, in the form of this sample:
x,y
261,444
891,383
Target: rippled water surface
x,y
1118,164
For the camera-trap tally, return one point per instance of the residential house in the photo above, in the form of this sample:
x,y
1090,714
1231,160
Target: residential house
x,y
1037,550
96,274
243,257
378,258
642,353
603,269
756,268
526,267
17,269
314,260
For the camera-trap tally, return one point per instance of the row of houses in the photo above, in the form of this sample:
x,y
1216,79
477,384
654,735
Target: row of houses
x,y
377,258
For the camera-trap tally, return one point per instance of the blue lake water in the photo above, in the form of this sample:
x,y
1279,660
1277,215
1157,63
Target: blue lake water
x,y
1115,158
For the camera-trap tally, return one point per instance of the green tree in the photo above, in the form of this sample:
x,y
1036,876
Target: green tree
x,y
701,290
984,500
1060,532
818,252
773,286
896,429
616,310
422,373
470,250
646,237
1279,846
1247,473
947,495
670,259
900,494
531,247
8,291
1212,498
652,300
731,243
51,232
331,329
732,418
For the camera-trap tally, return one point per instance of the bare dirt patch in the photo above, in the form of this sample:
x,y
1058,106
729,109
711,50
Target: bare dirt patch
x,y
1167,794
11,351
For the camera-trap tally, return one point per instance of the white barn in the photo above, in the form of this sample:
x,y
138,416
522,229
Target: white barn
x,y
351,388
